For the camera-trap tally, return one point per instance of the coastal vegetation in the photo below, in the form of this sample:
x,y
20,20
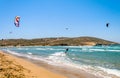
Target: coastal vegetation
x,y
61,41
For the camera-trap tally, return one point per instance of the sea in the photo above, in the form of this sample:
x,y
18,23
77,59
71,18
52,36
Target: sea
x,y
102,61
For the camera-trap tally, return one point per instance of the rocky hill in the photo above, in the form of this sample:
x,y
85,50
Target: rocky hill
x,y
62,41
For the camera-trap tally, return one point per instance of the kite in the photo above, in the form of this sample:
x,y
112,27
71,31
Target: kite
x,y
10,32
107,24
17,21
66,28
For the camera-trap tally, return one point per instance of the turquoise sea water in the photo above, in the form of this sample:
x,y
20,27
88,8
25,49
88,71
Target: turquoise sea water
x,y
101,61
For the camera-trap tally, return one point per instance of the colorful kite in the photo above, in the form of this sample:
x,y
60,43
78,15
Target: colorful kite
x,y
17,21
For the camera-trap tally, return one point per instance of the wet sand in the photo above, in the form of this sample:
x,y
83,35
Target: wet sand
x,y
69,72
14,67
37,69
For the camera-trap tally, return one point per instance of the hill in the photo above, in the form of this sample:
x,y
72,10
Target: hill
x,y
62,41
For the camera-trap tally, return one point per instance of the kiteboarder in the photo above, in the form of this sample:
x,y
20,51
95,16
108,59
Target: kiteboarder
x,y
66,50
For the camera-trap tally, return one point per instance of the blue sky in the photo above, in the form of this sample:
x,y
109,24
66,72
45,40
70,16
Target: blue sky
x,y
50,18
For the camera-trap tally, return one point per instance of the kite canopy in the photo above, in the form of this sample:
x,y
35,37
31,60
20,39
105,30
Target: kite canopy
x,y
17,21
66,28
107,24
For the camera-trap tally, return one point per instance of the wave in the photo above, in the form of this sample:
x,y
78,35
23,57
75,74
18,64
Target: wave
x,y
20,48
96,50
111,72
114,50
59,58
29,53
104,50
47,49
101,71
14,53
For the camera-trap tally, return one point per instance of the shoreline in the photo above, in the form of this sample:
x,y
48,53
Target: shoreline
x,y
27,69
61,72
69,72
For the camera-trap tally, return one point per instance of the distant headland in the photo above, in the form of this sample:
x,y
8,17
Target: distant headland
x,y
61,41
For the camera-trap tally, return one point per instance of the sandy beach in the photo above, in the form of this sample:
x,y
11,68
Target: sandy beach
x,y
16,67
13,67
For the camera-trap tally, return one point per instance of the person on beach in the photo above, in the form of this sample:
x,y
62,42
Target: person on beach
x,y
66,50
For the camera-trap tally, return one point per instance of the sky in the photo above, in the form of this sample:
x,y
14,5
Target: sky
x,y
60,18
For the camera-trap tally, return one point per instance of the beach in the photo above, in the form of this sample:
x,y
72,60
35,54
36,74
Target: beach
x,y
19,67
78,62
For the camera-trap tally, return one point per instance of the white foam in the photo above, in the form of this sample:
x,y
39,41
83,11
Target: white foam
x,y
102,50
111,71
29,53
48,49
14,53
114,50
20,48
57,57
96,49
59,54
60,59
40,49
97,71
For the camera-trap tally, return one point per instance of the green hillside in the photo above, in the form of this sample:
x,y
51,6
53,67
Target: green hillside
x,y
62,41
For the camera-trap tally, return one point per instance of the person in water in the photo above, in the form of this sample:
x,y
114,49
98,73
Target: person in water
x,y
66,50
